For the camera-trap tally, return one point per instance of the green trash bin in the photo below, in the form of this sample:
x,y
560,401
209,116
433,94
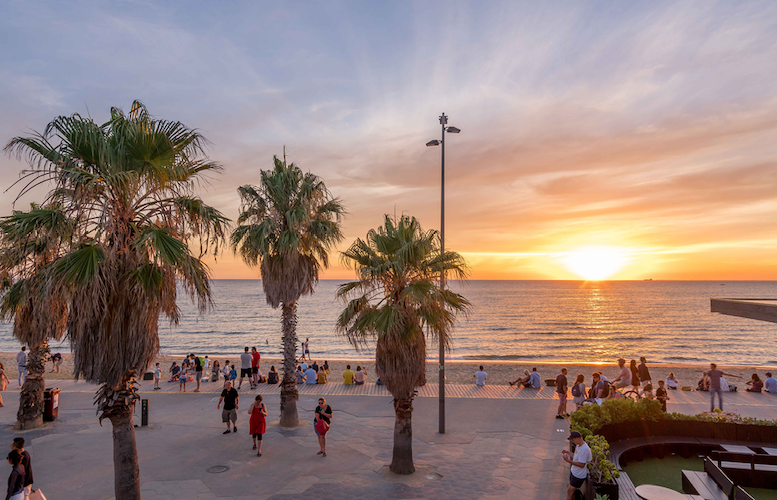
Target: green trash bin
x,y
50,404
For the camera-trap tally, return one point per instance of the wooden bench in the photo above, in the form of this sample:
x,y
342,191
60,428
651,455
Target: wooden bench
x,y
741,494
759,471
712,484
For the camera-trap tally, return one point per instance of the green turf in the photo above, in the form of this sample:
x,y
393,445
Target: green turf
x,y
667,472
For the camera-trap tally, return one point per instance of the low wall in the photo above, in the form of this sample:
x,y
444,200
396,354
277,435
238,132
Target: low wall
x,y
690,429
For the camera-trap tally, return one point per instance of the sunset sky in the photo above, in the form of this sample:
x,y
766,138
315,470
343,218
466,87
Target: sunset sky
x,y
639,134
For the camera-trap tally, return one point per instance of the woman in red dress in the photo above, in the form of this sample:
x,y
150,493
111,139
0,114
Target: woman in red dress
x,y
258,424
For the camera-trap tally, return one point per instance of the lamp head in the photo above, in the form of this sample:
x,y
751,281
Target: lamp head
x,y
452,130
433,143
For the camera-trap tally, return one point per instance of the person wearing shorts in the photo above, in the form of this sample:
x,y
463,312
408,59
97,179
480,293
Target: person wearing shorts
x,y
231,401
245,369
579,463
255,357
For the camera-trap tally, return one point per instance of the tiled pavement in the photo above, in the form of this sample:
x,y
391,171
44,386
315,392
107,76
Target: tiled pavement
x,y
503,444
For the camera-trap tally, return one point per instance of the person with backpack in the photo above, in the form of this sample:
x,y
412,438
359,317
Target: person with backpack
x,y
578,391
600,388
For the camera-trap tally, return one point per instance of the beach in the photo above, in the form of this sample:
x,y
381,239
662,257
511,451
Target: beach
x,y
500,372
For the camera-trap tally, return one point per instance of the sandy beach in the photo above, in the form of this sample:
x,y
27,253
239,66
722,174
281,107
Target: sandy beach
x,y
500,372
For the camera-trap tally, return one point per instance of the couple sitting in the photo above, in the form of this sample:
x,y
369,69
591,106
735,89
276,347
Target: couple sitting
x,y
529,380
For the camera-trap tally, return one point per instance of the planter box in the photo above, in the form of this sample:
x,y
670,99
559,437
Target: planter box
x,y
689,429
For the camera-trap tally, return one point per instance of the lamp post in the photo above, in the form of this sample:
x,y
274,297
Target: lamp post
x,y
441,142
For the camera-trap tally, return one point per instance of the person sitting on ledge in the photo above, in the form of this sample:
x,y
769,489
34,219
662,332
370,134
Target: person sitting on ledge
x,y
300,375
770,383
272,377
534,381
321,379
480,377
671,381
348,375
524,381
755,384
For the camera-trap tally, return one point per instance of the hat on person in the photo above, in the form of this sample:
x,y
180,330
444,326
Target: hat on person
x,y
573,435
768,374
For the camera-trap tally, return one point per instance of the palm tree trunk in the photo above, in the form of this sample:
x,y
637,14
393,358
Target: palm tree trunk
x,y
402,461
289,417
125,453
30,414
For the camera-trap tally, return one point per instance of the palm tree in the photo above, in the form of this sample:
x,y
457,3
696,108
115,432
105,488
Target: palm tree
x,y
399,302
128,186
287,226
29,241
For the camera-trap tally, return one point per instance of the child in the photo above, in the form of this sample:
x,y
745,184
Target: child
x,y
232,373
182,382
225,371
157,376
648,392
661,394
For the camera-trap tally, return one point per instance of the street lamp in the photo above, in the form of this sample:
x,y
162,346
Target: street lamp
x,y
441,142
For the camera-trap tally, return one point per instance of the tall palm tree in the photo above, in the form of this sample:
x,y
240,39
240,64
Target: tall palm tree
x,y
398,301
30,241
287,226
128,185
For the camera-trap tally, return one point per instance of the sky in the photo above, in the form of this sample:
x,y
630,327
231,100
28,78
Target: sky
x,y
620,140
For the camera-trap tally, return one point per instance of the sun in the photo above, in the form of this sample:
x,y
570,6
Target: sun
x,y
594,263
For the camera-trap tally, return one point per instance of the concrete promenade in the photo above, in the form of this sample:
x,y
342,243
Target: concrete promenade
x,y
501,442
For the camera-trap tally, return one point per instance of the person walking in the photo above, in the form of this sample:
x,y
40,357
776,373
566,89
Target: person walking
x,y
634,375
21,363
644,373
3,383
714,376
16,479
257,424
18,445
255,358
578,471
561,390
323,413
245,368
231,400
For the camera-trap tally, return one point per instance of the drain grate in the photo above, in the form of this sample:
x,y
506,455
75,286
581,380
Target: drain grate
x,y
217,469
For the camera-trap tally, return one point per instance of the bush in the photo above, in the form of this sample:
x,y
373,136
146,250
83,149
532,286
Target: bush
x,y
589,419
601,469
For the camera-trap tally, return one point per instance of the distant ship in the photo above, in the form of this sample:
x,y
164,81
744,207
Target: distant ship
x,y
648,279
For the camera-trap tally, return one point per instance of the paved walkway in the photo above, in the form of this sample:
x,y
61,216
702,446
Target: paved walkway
x,y
504,444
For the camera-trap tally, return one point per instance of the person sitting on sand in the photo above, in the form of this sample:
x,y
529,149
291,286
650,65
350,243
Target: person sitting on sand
x,y
523,381
704,382
770,383
755,383
671,381
272,377
480,377
326,367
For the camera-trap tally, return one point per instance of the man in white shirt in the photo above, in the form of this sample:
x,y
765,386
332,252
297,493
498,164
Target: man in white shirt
x,y
770,384
480,377
579,463
245,368
21,364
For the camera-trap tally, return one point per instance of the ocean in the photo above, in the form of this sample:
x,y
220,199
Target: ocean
x,y
541,321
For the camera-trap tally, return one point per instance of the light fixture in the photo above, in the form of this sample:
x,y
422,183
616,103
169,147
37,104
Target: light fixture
x,y
433,143
452,130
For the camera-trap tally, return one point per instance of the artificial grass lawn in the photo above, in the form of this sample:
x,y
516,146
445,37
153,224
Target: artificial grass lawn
x,y
667,472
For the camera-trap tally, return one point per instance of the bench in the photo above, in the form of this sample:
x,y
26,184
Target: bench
x,y
712,484
741,494
758,471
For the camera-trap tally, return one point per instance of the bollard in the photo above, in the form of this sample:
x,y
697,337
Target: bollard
x,y
143,412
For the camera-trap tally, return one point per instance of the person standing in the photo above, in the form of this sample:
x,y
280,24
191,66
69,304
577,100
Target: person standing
x,y
197,371
578,391
231,401
323,412
3,383
21,363
16,479
258,422
245,368
214,374
255,358
157,376
634,375
714,376
661,394
644,373
561,390
578,472
18,445
480,377
306,349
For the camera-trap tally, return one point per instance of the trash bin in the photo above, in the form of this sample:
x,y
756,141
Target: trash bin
x,y
50,404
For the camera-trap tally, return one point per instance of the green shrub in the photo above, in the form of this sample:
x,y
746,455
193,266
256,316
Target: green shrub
x,y
590,418
601,469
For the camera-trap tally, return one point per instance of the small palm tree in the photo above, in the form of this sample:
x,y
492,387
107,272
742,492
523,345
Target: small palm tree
x,y
399,302
287,226
30,241
128,188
